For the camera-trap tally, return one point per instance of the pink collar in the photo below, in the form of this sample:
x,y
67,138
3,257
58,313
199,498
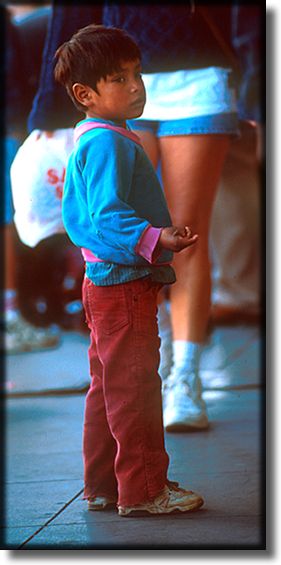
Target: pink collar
x,y
80,129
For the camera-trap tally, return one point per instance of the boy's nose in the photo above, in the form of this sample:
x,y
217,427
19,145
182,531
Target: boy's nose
x,y
135,86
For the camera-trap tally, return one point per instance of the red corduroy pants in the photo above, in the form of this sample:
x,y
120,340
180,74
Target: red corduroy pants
x,y
123,440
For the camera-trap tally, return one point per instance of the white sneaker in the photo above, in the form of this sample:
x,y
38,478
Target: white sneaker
x,y
184,408
171,499
101,503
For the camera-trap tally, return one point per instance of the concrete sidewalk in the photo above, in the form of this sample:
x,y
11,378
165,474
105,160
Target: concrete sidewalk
x,y
44,506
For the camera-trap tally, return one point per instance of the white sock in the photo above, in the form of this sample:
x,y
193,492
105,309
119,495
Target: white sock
x,y
186,355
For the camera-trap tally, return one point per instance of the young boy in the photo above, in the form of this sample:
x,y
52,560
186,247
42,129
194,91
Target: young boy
x,y
114,209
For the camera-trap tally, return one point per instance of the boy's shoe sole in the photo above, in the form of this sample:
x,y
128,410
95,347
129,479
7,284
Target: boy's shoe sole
x,y
144,513
184,501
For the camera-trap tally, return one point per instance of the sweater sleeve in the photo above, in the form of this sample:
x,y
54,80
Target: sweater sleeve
x,y
108,171
51,97
147,245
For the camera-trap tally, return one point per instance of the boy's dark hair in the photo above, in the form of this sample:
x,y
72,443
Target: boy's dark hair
x,y
92,53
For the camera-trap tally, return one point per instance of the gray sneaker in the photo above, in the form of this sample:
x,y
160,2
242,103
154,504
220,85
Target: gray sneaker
x,y
184,407
21,336
171,499
101,503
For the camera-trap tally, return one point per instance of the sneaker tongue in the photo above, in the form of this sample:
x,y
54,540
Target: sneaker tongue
x,y
172,484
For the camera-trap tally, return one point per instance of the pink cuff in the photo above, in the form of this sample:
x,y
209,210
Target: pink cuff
x,y
147,244
89,256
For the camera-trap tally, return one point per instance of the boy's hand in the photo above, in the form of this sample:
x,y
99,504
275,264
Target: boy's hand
x,y
177,238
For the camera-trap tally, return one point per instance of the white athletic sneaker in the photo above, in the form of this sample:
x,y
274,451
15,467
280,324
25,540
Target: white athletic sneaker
x,y
171,499
101,503
184,408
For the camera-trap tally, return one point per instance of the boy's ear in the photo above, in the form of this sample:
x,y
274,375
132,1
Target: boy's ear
x,y
82,93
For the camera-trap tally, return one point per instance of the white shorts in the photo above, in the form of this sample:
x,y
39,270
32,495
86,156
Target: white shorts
x,y
186,94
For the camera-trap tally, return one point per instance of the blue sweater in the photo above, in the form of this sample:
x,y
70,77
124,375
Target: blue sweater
x,y
111,195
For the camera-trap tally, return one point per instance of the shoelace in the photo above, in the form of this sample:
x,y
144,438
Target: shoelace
x,y
167,496
170,383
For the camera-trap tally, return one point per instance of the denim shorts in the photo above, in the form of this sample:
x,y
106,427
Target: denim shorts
x,y
226,124
186,102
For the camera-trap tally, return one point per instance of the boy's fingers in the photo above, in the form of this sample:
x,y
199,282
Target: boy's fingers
x,y
184,231
190,239
180,232
187,241
188,231
193,239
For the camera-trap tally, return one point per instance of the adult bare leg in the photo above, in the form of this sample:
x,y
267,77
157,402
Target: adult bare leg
x,y
150,144
191,168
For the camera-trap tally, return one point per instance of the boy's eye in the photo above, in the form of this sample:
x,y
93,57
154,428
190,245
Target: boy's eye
x,y
119,79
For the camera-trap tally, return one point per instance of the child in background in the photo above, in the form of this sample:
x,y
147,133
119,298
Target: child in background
x,y
114,209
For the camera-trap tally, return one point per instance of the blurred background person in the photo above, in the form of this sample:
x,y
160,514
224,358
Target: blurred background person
x,y
237,291
43,267
25,29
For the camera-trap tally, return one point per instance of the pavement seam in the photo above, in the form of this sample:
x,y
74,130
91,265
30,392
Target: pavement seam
x,y
21,546
238,352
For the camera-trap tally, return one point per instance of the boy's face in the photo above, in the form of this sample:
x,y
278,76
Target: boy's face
x,y
120,97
